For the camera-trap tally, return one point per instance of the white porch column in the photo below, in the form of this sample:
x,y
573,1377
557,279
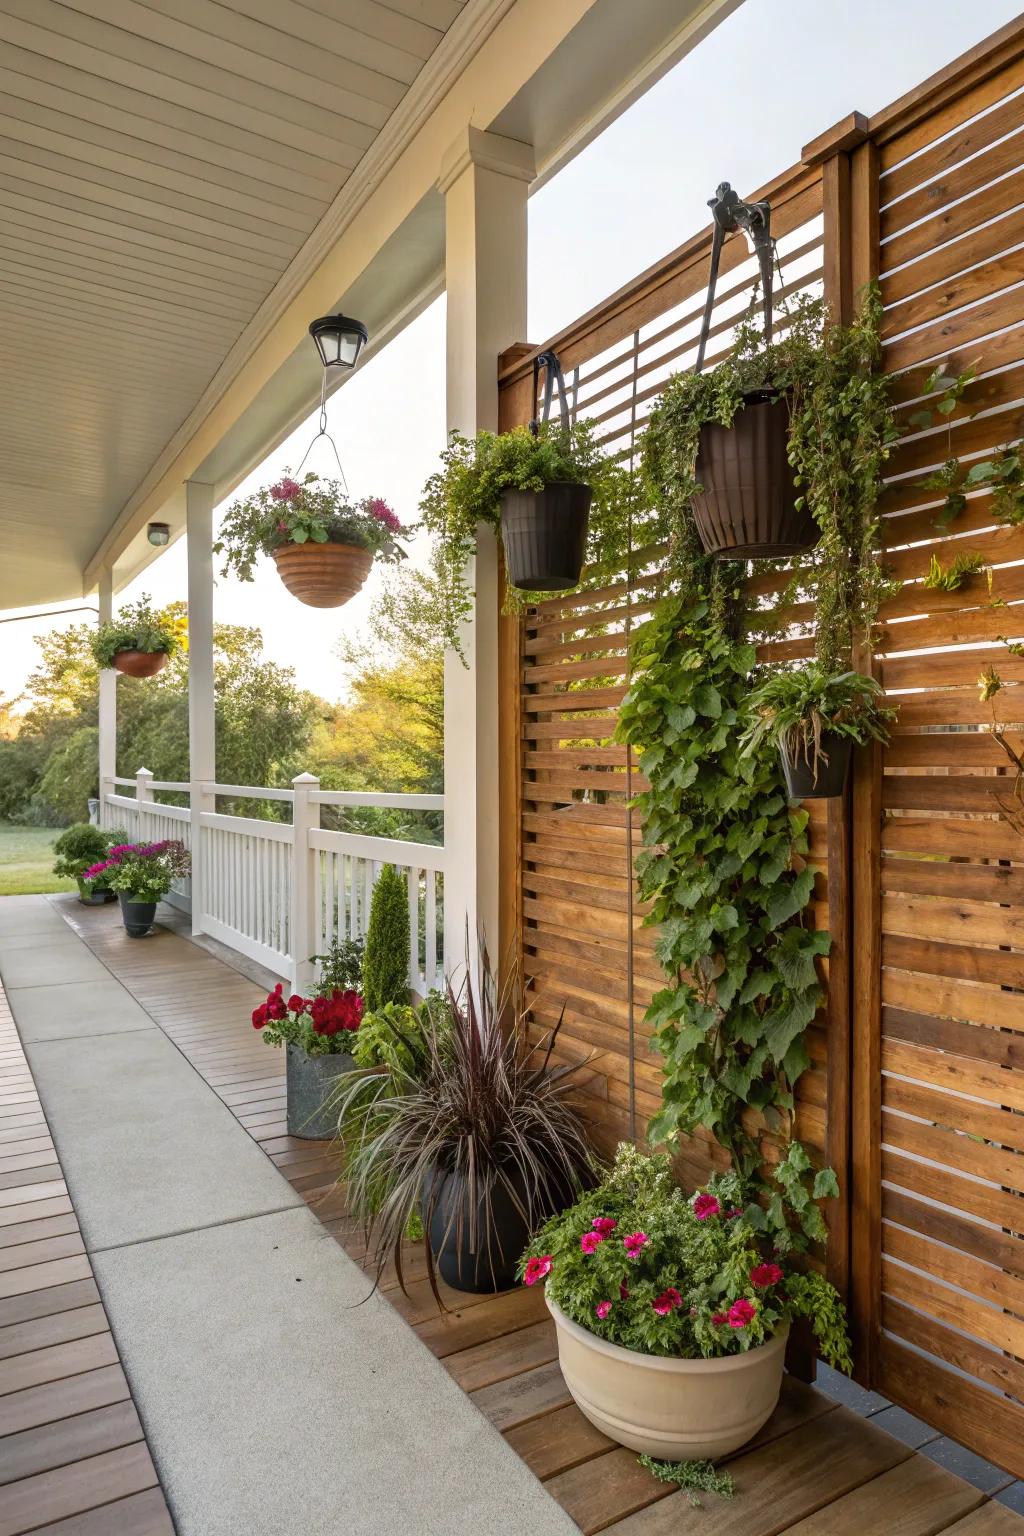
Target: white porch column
x,y
201,741
484,180
303,924
107,704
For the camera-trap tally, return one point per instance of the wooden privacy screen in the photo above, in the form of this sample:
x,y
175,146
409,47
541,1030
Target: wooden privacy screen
x,y
585,946
916,1093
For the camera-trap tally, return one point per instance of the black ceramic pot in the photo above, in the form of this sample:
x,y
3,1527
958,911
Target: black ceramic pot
x,y
138,916
747,507
545,536
89,896
499,1242
829,779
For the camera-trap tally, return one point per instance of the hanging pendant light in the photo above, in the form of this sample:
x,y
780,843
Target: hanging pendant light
x,y
338,340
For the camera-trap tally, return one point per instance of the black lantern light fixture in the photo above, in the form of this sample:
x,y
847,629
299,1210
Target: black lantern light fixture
x,y
159,534
338,340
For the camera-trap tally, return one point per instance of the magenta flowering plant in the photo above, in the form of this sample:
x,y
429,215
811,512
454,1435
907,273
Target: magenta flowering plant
x,y
639,1262
307,511
143,871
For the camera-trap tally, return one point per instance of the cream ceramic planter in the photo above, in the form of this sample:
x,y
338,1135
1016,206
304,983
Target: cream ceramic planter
x,y
675,1410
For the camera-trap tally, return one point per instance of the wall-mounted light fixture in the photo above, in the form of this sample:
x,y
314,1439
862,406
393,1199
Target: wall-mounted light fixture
x,y
159,534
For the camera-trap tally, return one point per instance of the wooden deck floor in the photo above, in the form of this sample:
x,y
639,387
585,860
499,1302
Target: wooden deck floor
x,y
816,1470
73,1457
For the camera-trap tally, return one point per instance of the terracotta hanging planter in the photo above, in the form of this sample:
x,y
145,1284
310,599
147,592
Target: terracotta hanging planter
x,y
323,575
747,508
140,663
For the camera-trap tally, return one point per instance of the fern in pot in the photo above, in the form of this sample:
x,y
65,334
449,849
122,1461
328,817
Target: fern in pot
x,y
480,1141
815,717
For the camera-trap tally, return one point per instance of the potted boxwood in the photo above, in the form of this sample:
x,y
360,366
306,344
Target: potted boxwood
x,y
815,717
317,1033
478,1139
322,542
672,1311
770,449
141,874
139,642
78,849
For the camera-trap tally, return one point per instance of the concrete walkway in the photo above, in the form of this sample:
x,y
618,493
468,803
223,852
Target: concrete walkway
x,y
273,1401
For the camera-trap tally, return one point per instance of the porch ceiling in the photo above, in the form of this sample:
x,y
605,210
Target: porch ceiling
x,y
161,165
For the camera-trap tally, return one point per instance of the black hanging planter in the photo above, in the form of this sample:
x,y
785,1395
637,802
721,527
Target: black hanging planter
x,y
746,509
545,536
138,916
806,780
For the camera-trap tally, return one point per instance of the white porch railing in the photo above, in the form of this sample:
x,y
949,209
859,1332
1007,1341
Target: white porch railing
x,y
280,891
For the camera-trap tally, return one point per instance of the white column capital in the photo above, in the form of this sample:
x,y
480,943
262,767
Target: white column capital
x,y
490,151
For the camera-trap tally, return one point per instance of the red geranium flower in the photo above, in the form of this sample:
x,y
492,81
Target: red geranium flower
x,y
602,1309
604,1224
259,1016
537,1268
718,1318
591,1241
764,1275
296,1004
635,1243
667,1302
705,1206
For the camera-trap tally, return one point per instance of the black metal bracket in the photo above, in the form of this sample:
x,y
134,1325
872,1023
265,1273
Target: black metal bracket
x,y
552,376
731,214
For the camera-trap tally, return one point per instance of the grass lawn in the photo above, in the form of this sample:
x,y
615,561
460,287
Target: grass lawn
x,y
26,859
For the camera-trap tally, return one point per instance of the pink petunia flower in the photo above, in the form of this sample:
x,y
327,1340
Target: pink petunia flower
x,y
602,1309
667,1302
764,1275
537,1268
705,1206
591,1241
604,1224
634,1244
741,1313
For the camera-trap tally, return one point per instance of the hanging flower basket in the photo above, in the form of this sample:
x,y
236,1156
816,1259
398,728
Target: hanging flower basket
x,y
545,535
746,508
140,663
322,542
323,575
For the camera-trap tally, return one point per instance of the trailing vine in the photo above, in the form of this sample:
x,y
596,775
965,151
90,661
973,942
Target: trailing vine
x,y
725,862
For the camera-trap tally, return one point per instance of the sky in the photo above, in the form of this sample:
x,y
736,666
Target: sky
x,y
771,77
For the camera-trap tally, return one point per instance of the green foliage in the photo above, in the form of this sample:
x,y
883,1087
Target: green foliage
x,y
142,871
386,956
138,627
724,870
78,848
70,776
841,432
693,1477
950,578
393,1038
687,1277
340,968
793,709
467,490
314,511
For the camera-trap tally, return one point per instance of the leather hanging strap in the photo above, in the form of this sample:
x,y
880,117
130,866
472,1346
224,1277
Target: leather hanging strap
x,y
729,214
552,375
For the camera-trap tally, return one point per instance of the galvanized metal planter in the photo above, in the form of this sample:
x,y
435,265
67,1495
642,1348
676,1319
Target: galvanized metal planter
x,y
310,1080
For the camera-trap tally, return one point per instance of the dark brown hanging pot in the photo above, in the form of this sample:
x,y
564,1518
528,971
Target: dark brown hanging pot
x,y
746,507
544,533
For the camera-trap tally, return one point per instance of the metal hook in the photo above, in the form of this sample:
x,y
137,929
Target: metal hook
x,y
730,214
553,375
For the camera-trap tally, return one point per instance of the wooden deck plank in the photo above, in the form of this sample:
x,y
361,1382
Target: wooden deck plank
x,y
989,1520
58,1328
144,1514
82,1485
500,1358
778,1484
55,1445
917,1498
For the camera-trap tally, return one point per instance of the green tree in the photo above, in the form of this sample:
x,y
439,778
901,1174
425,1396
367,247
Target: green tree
x,y
386,956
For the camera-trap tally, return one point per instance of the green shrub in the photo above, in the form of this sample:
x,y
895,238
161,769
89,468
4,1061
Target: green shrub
x,y
386,956
78,849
